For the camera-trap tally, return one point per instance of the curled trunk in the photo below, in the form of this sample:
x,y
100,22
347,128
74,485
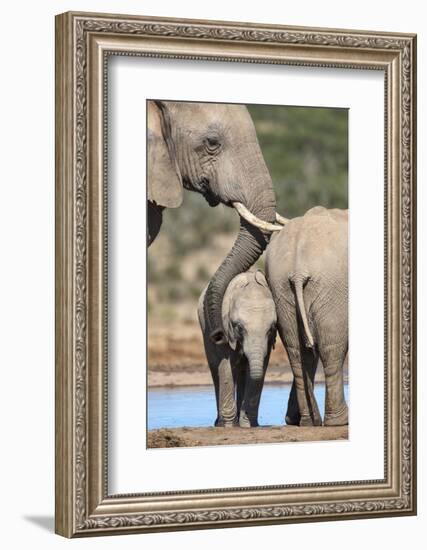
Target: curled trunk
x,y
248,247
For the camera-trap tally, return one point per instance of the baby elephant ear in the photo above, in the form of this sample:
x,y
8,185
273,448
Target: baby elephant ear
x,y
260,278
164,181
231,337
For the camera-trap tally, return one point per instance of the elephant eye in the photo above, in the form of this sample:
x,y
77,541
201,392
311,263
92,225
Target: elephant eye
x,y
238,327
212,143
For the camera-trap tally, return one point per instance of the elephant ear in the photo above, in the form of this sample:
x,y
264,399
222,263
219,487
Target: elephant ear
x,y
164,181
260,278
232,342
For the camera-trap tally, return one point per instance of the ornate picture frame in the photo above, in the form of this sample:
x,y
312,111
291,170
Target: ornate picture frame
x,y
84,506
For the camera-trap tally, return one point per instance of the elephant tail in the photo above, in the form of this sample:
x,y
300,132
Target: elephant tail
x,y
298,281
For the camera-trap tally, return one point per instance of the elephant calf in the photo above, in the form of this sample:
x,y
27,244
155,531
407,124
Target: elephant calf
x,y
238,367
307,271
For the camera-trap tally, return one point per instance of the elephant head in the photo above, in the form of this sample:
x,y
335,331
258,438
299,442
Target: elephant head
x,y
250,313
212,149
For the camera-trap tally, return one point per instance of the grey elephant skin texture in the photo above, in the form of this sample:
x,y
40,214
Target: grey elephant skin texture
x,y
212,149
307,271
238,367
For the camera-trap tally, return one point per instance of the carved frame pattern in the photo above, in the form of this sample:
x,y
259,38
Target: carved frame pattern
x,y
83,506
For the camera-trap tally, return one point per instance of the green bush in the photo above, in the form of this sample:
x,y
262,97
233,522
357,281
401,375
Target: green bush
x,y
306,151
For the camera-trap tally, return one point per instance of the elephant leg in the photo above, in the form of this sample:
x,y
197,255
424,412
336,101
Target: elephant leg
x,y
215,380
250,406
304,365
154,221
336,410
310,362
241,383
222,377
293,416
227,408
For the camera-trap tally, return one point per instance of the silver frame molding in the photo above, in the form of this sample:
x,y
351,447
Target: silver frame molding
x,y
83,43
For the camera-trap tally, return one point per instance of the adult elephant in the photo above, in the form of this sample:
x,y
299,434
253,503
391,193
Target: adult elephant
x,y
307,271
212,149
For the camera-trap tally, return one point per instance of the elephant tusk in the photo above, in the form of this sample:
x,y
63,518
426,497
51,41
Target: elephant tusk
x,y
253,220
280,219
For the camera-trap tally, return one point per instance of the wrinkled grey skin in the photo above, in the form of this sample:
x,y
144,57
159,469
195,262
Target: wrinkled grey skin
x,y
307,271
211,149
238,367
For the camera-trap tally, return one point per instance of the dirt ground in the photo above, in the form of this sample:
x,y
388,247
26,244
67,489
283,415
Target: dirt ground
x,y
195,437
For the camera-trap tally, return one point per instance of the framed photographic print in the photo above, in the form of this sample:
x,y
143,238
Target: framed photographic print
x,y
235,274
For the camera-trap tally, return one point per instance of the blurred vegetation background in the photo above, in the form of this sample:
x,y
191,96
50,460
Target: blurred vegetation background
x,y
306,151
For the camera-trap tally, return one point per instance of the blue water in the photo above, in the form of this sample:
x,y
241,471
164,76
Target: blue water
x,y
194,406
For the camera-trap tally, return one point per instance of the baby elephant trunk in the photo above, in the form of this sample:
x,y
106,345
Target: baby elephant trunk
x,y
256,370
253,388
256,358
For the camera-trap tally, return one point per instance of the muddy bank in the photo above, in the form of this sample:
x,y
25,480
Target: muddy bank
x,y
176,357
195,437
199,375
181,344
169,375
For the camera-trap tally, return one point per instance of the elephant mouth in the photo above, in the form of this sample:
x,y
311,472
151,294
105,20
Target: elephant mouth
x,y
211,199
205,189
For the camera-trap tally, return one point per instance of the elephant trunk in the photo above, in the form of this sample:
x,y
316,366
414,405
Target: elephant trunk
x,y
251,241
248,247
256,369
255,350
254,383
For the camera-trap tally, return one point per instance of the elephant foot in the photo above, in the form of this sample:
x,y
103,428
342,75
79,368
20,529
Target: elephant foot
x,y
292,420
244,422
307,420
339,418
221,423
